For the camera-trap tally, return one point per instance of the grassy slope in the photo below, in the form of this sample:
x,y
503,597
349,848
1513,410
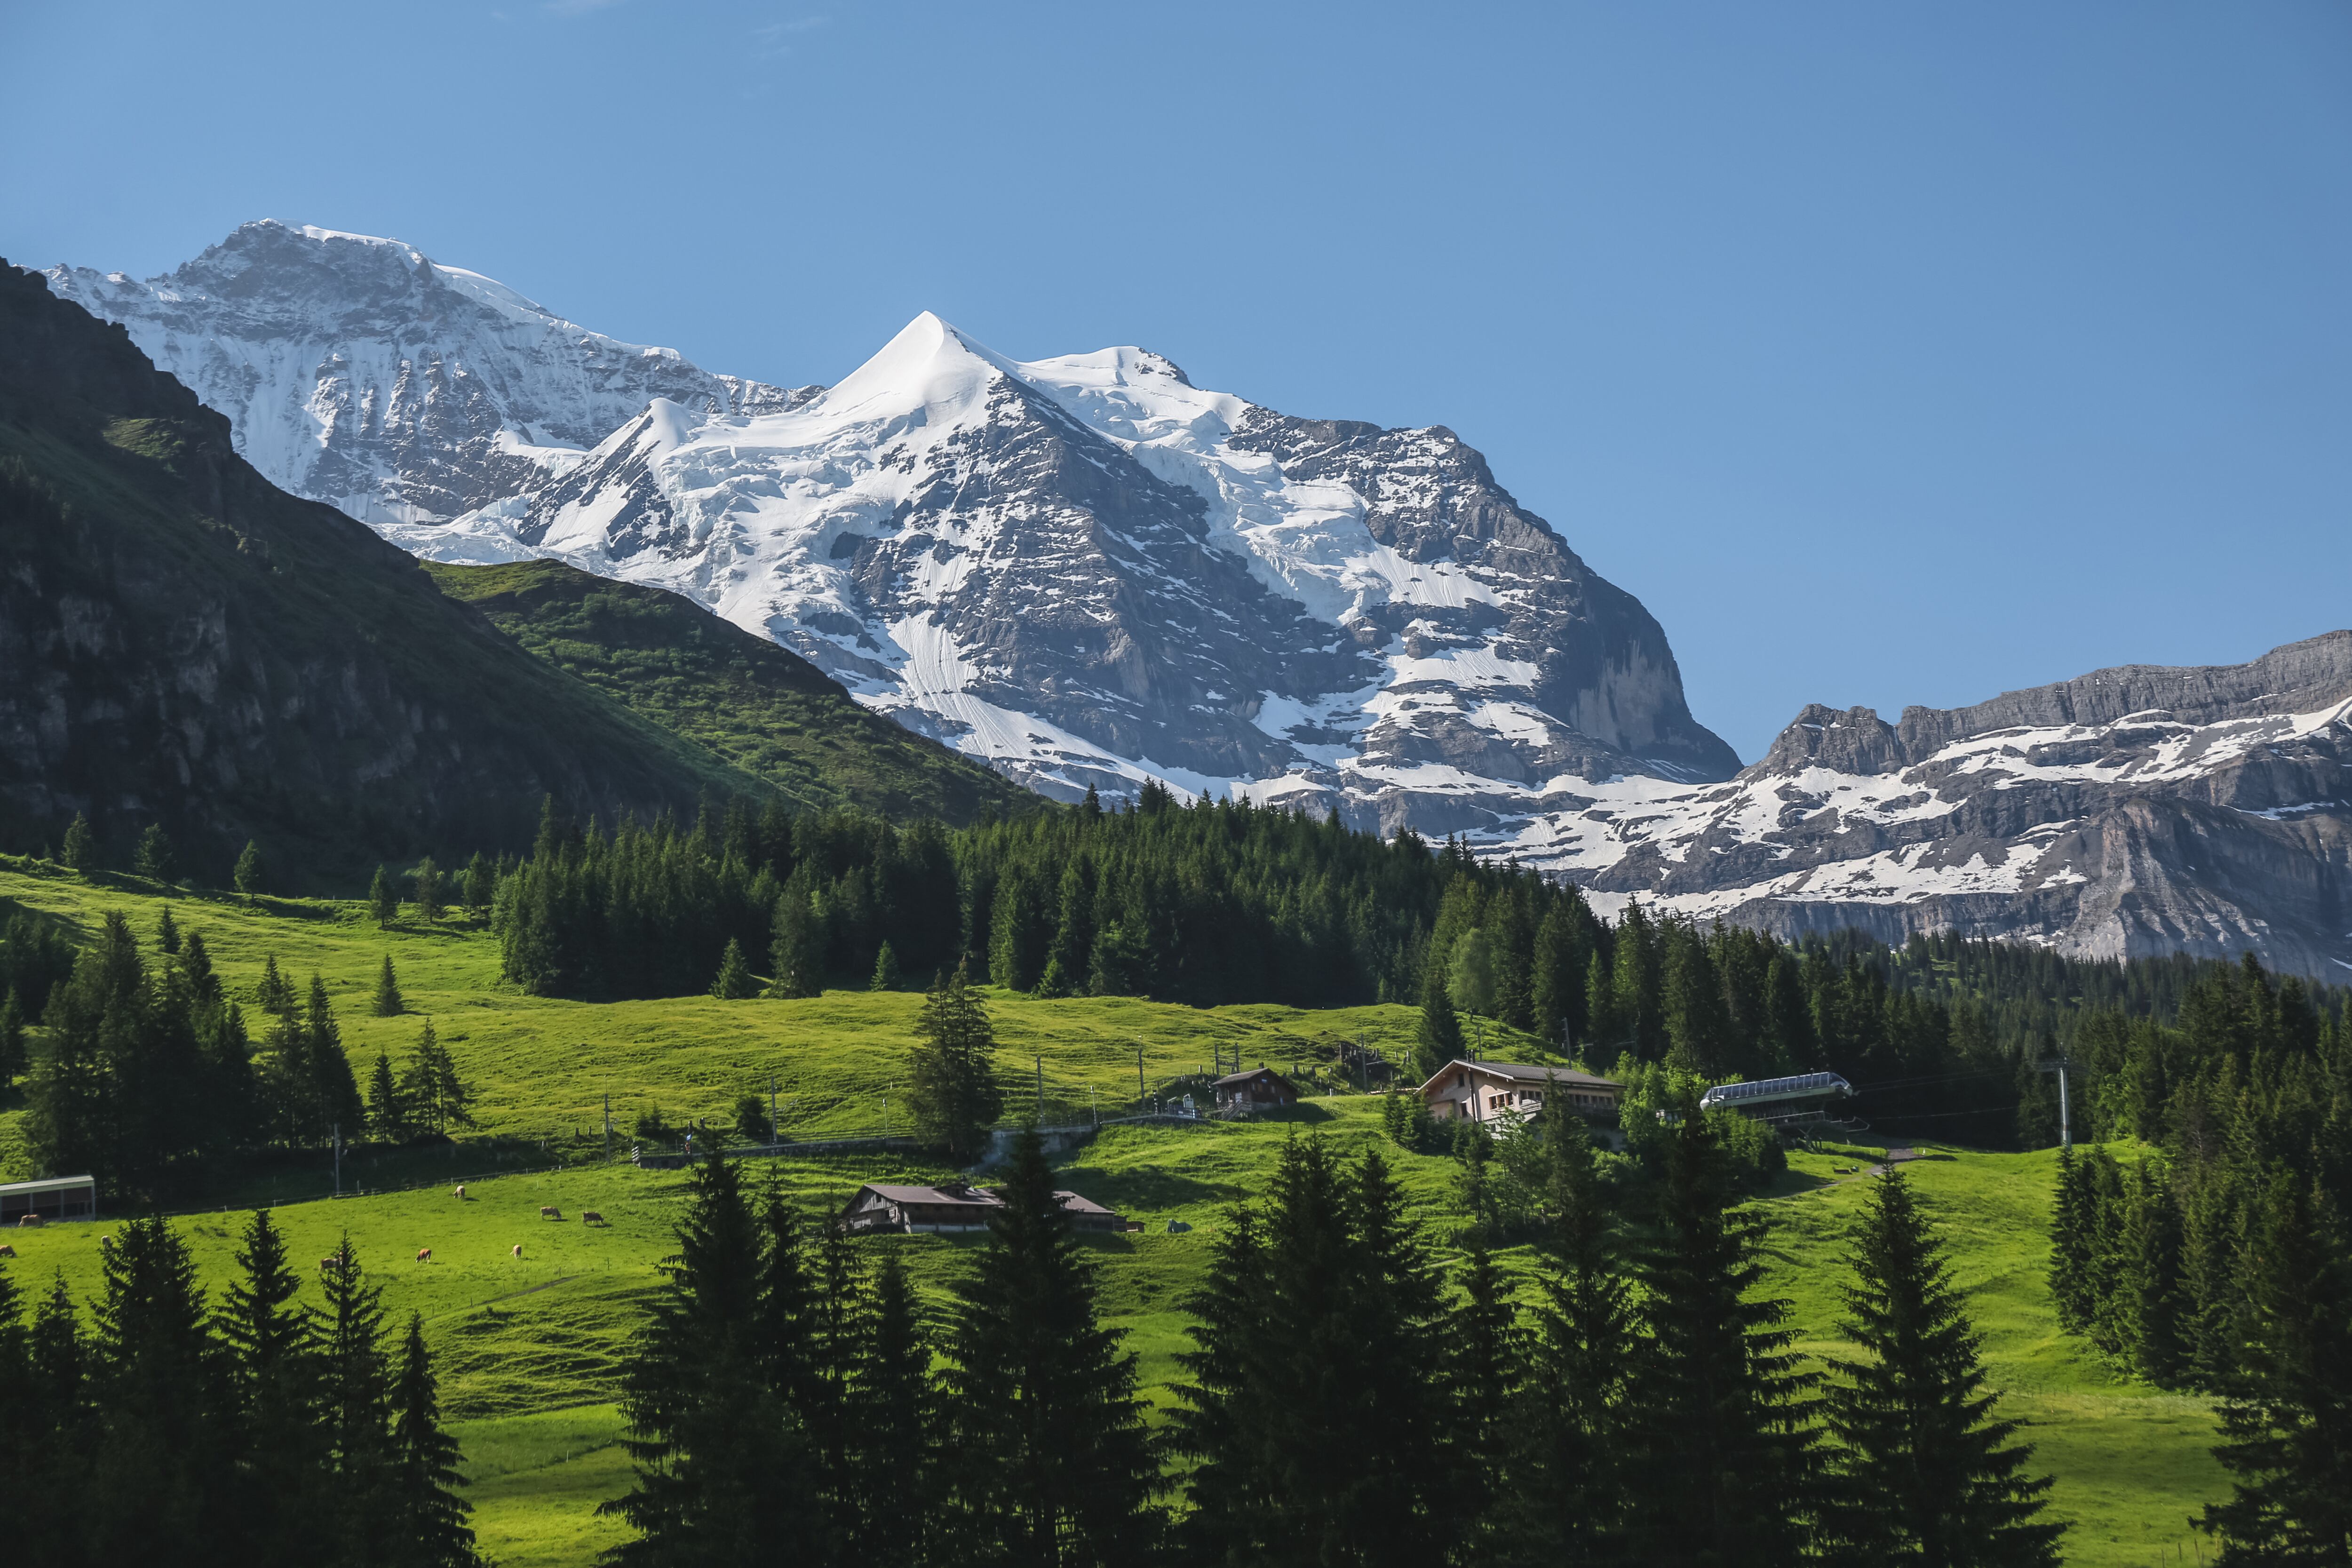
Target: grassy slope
x,y
760,706
529,1345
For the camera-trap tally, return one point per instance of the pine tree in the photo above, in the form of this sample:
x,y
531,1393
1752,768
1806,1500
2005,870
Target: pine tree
x,y
1440,1038
1922,1472
12,1040
954,1096
1315,1409
1604,1028
249,875
431,1531
2287,1429
273,994
196,967
153,857
336,1093
1053,1465
722,1465
479,884
388,1004
1568,1504
1720,1461
885,970
796,956
167,932
1481,1372
160,1468
427,881
48,1521
384,900
430,1090
2070,1244
387,1116
354,1430
272,1351
894,1440
79,851
735,982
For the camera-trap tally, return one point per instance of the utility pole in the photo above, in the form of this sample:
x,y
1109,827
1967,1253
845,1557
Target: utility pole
x,y
336,1137
1041,1091
608,1129
886,1115
1139,1078
1094,1110
2066,1111
775,1128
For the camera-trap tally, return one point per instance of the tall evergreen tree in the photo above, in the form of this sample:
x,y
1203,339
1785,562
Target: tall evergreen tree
x,y
12,1040
430,1531
2287,1429
48,1516
387,1115
894,1449
1315,1410
1439,1039
1053,1467
1922,1472
167,932
886,969
428,883
796,958
722,1463
79,851
354,1427
272,1353
154,858
1721,1464
159,1459
1481,1370
388,1003
249,875
735,982
954,1096
2071,1224
336,1093
479,884
383,898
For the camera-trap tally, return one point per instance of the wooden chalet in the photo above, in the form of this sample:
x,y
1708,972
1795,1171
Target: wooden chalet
x,y
1465,1091
955,1206
1248,1094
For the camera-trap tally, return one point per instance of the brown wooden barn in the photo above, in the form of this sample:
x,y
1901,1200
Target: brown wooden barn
x,y
953,1207
1250,1093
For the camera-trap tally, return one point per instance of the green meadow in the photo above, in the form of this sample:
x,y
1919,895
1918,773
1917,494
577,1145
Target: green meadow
x,y
529,1347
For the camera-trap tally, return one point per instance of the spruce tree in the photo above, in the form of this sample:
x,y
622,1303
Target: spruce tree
x,y
1568,1504
1720,1454
1604,1029
1922,1472
196,966
954,1097
894,1438
388,1004
479,885
335,1092
1440,1037
167,932
752,1124
12,1040
153,859
387,1116
248,875
796,955
159,1461
273,993
427,878
1053,1463
430,1530
1315,1409
886,969
735,982
1482,1370
722,1465
48,1516
354,1430
384,900
273,1368
2070,1243
78,852
2286,1428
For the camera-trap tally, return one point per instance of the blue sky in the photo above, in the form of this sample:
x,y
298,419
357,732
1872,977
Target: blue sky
x,y
1891,353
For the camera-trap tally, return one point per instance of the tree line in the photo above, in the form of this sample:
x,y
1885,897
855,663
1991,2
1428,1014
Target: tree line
x,y
261,1429
2213,1252
1346,1399
146,1072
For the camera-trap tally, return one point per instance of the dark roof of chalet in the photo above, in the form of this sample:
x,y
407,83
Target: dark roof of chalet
x,y
1521,1072
970,1198
1253,1073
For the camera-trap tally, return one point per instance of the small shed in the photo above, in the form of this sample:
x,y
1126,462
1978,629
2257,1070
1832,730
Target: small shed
x,y
56,1199
1248,1094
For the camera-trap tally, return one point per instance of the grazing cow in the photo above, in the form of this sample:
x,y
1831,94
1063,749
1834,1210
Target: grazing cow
x,y
551,1213
31,1222
326,1263
460,1193
6,1250
590,1217
518,1249
424,1254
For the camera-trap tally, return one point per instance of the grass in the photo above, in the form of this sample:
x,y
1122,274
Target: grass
x,y
529,1347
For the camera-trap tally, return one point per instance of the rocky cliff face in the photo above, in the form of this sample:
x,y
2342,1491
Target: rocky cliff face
x,y
2137,810
359,372
181,642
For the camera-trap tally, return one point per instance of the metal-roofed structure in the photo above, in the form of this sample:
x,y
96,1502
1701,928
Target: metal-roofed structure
x,y
57,1198
1778,1099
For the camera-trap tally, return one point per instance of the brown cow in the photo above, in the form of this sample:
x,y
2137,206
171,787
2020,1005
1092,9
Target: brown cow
x,y
424,1254
460,1193
6,1250
31,1222
590,1217
518,1249
326,1263
551,1213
